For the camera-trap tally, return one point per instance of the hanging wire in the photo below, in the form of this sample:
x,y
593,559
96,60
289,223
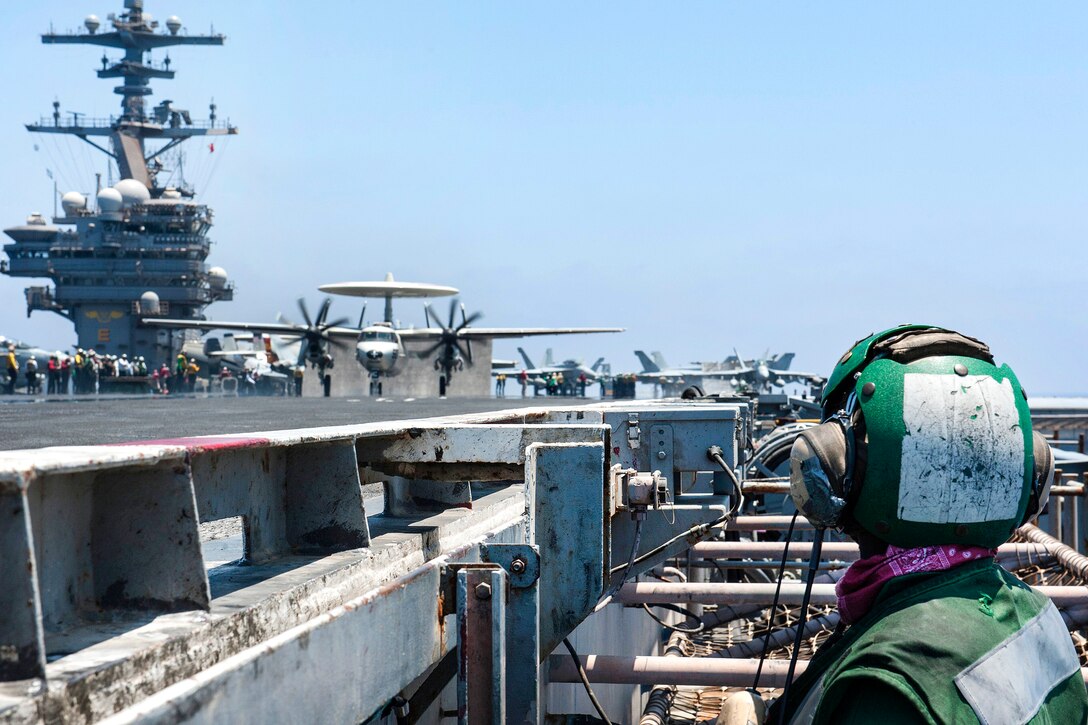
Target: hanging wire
x,y
631,560
813,566
774,602
700,627
585,681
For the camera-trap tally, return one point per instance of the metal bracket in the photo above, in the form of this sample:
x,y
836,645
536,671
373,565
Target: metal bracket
x,y
481,645
634,432
522,565
521,562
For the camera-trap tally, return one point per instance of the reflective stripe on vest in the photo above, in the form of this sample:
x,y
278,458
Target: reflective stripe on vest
x,y
1001,690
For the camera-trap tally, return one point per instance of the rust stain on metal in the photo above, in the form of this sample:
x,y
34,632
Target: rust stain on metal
x,y
441,615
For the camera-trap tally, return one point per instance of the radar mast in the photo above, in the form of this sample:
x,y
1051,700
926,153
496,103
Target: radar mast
x,y
134,32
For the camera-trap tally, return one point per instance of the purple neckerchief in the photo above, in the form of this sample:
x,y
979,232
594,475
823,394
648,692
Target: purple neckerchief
x,y
862,582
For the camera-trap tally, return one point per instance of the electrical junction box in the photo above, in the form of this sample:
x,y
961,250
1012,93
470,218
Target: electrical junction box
x,y
673,438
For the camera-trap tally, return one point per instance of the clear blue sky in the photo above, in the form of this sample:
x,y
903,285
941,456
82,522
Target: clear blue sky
x,y
709,175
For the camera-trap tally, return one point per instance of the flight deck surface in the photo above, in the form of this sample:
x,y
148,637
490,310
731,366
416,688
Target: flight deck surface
x,y
37,423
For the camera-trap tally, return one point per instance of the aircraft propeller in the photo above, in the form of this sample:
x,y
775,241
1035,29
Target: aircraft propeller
x,y
450,341
315,338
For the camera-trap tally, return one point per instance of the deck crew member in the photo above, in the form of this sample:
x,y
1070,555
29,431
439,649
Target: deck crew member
x,y
52,370
32,385
65,373
12,369
926,457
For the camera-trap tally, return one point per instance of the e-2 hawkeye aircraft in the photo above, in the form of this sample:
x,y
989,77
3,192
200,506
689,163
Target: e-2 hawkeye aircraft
x,y
380,346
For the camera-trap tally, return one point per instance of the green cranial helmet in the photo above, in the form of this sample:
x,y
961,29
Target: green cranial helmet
x,y
933,443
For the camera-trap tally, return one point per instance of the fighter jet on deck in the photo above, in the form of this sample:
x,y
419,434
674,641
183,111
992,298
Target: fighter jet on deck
x,y
570,369
759,374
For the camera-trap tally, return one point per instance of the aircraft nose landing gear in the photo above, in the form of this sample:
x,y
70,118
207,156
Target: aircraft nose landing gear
x,y
375,384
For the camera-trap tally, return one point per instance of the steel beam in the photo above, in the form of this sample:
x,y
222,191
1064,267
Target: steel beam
x,y
831,550
521,563
721,594
691,671
22,640
695,671
767,523
475,452
481,645
790,595
567,505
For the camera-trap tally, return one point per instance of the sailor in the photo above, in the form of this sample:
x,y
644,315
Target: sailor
x,y
52,375
65,372
191,372
92,365
179,366
523,379
926,457
77,367
32,386
300,371
164,378
12,369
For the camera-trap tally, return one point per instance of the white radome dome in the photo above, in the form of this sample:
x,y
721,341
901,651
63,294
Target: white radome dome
x,y
149,303
217,277
73,201
110,200
171,193
132,191
173,24
91,23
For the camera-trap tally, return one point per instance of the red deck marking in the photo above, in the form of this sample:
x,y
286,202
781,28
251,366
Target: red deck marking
x,y
204,443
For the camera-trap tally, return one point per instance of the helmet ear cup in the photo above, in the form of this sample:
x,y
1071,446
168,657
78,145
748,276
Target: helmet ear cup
x,y
1042,476
818,467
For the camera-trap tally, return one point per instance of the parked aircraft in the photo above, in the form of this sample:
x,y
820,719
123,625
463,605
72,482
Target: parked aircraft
x,y
258,354
314,339
758,374
570,369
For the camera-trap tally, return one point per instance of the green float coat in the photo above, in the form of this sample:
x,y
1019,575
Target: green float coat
x,y
925,636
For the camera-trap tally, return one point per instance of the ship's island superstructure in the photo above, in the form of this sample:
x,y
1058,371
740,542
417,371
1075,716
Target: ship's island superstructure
x,y
140,250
